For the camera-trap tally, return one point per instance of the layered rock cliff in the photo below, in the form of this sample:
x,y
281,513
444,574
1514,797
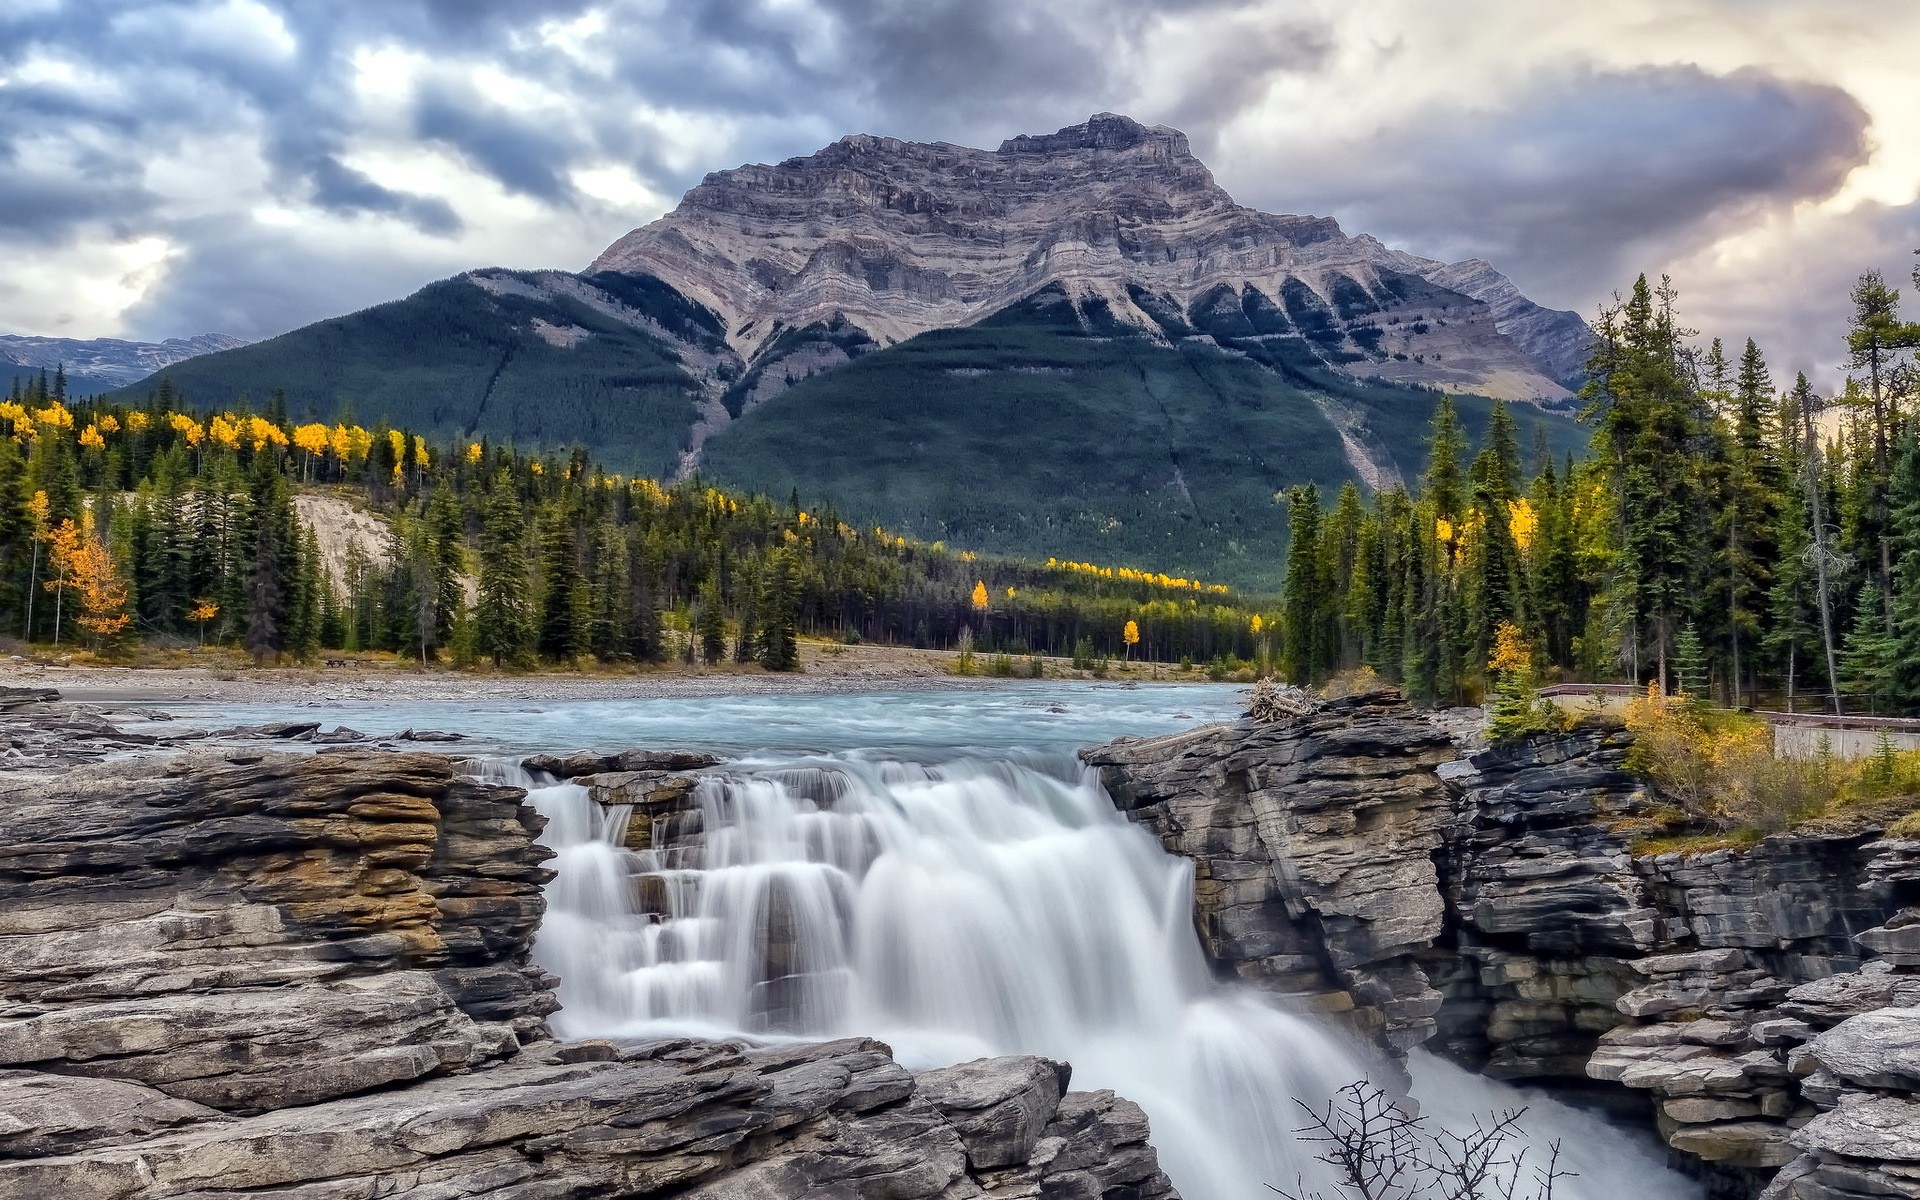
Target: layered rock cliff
x,y
1761,1005
249,973
893,238
1313,845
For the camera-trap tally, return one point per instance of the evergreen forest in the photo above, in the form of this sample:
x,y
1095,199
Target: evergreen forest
x,y
1725,536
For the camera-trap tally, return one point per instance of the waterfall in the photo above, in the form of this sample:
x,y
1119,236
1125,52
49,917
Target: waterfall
x,y
954,910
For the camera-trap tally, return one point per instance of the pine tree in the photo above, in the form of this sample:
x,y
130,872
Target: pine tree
x,y
447,531
1446,446
1902,678
16,537
1690,665
712,623
274,561
1304,603
501,616
1869,657
561,635
1646,436
749,585
779,609
612,593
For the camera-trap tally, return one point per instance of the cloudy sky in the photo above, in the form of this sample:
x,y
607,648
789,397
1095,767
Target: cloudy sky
x,y
246,166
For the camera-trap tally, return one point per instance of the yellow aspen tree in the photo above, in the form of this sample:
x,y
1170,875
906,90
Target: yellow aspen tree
x,y
203,610
1130,636
312,441
37,510
103,594
980,596
63,555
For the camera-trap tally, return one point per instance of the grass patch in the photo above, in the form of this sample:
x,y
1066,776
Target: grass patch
x,y
1697,843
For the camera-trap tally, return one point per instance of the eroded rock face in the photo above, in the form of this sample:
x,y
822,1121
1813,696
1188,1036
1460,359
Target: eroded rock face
x,y
249,931
306,975
1764,1003
1546,907
1313,845
887,239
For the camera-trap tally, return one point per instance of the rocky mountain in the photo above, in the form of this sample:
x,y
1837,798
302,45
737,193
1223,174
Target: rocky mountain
x,y
896,238
1135,363
105,363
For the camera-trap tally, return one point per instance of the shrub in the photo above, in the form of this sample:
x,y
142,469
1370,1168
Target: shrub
x,y
1352,682
964,665
1719,766
1000,666
1083,654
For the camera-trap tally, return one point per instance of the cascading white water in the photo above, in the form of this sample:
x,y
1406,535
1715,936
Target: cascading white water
x,y
969,908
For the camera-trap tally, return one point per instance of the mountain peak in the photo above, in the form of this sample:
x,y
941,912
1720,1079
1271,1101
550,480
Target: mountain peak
x,y
1102,131
891,238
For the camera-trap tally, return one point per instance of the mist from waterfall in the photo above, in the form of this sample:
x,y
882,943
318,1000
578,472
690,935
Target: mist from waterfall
x,y
965,907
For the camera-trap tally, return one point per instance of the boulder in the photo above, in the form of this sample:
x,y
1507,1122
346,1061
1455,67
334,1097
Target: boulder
x,y
998,1105
1878,1049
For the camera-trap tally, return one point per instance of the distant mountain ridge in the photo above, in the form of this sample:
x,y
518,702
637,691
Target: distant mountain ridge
x,y
895,238
1074,345
109,361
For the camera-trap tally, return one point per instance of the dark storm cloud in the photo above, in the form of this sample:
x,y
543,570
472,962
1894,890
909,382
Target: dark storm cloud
x,y
519,154
1591,176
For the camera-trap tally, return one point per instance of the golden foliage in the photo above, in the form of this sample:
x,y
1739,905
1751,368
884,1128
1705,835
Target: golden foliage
x,y
262,433
980,596
1719,767
1510,649
474,452
1131,634
90,438
103,594
1524,521
1130,575
314,438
